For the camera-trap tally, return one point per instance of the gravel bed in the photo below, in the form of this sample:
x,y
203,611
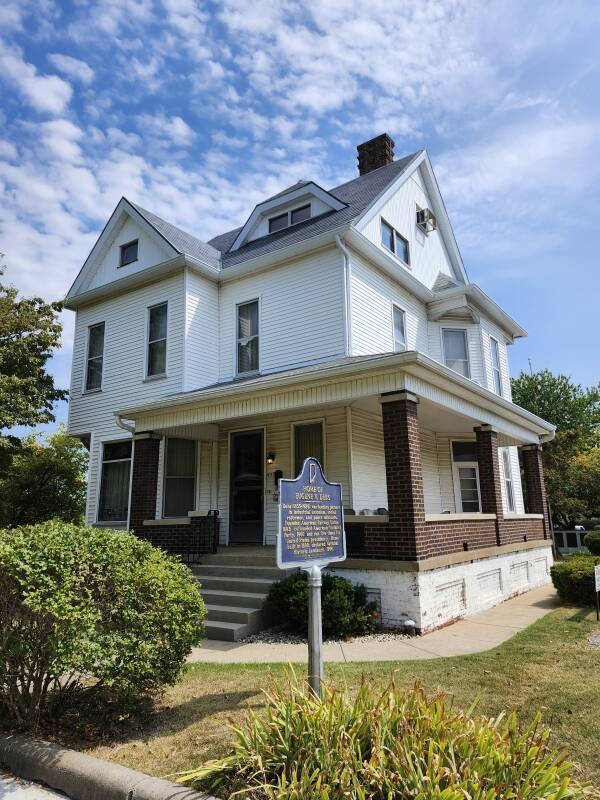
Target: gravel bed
x,y
278,635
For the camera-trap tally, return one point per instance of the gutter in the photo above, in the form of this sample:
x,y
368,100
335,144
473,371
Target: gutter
x,y
347,306
124,425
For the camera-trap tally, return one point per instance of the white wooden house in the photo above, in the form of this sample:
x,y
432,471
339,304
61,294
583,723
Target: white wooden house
x,y
334,323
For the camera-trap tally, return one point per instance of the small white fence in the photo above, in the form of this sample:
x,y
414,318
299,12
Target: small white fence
x,y
569,541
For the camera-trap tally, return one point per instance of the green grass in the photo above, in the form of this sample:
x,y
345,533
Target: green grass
x,y
549,666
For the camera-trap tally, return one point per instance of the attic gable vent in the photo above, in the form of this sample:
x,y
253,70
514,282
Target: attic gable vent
x,y
426,220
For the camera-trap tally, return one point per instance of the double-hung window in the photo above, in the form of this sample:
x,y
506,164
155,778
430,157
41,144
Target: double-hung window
x,y
247,337
180,477
399,322
95,358
466,476
495,353
308,443
113,505
156,358
394,241
509,488
456,350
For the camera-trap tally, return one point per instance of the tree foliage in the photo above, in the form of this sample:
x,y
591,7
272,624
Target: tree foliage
x,y
572,459
89,618
43,480
29,332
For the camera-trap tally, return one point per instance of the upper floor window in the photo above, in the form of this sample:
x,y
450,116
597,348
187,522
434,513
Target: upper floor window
x,y
113,504
95,357
156,359
129,253
288,218
394,241
495,350
247,337
399,329
466,477
180,477
308,443
508,480
456,350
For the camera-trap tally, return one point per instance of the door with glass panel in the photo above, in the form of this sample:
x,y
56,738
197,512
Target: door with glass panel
x,y
246,487
466,477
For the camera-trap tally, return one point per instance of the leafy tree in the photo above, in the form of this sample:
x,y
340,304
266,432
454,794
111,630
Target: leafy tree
x,y
29,332
44,481
572,459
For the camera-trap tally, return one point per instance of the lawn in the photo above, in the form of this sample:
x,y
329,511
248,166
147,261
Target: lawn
x,y
549,666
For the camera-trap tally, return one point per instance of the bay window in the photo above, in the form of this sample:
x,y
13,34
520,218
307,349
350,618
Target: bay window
x,y
247,337
456,350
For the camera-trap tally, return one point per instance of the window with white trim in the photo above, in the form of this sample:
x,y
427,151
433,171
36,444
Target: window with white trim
x,y
128,253
308,443
156,360
394,241
509,488
465,470
247,337
179,494
495,354
289,218
113,504
456,350
95,358
399,324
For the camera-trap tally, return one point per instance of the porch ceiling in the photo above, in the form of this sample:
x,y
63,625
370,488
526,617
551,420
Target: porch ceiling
x,y
447,399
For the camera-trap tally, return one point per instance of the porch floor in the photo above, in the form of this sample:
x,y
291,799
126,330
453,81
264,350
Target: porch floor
x,y
473,635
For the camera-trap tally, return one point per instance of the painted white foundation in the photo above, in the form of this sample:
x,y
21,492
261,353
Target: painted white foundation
x,y
436,597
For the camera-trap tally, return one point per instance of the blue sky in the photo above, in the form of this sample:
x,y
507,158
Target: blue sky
x,y
198,110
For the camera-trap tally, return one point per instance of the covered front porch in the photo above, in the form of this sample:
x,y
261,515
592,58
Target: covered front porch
x,y
430,463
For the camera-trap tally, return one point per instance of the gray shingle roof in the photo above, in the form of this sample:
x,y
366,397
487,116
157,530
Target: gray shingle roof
x,y
183,242
358,194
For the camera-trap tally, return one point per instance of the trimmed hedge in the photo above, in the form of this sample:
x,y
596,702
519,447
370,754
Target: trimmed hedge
x,y
385,744
89,616
573,578
592,542
344,605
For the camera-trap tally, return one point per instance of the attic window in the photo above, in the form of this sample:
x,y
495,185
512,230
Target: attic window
x,y
129,253
293,217
394,241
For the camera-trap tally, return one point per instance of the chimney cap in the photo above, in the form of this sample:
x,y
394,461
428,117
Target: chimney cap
x,y
375,153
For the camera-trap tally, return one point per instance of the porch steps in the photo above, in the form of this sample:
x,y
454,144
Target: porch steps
x,y
234,584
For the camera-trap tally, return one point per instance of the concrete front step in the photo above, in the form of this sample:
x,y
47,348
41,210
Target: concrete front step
x,y
229,631
224,613
259,585
222,597
242,557
239,571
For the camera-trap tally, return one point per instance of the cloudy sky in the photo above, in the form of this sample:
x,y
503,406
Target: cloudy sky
x,y
197,110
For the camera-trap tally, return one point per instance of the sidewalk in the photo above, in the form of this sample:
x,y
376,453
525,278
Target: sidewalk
x,y
473,635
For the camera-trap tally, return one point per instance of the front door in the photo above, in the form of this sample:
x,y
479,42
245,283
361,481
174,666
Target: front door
x,y
246,488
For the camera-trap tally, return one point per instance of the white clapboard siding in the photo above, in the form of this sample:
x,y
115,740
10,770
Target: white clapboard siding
x,y
444,460
123,378
428,254
372,295
515,470
278,439
430,470
201,331
301,313
488,329
150,252
473,341
368,461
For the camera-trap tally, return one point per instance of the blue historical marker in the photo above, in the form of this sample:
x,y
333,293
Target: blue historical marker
x,y
311,535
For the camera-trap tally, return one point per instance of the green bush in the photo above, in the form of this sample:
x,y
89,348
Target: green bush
x,y
88,613
345,610
592,542
573,578
384,744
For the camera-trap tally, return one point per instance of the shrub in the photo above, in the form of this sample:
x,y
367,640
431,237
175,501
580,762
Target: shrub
x,y
592,542
384,743
87,611
345,610
573,578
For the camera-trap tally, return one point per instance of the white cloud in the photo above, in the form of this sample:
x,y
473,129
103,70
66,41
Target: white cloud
x,y
44,92
174,129
72,67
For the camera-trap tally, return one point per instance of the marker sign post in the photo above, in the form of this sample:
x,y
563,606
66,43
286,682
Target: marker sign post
x,y
311,536
597,584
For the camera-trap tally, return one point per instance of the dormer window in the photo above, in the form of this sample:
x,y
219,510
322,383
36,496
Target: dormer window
x,y
292,217
129,253
394,241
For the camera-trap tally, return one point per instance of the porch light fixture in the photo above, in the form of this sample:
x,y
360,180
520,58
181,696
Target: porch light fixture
x,y
270,458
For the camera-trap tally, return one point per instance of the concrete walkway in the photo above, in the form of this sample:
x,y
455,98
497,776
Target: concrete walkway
x,y
12,788
473,635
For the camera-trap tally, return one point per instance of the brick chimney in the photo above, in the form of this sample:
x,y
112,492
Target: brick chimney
x,y
375,153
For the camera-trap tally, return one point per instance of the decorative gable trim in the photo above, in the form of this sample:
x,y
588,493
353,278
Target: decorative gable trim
x,y
306,190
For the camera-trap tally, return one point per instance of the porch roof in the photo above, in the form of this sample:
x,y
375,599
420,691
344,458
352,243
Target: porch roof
x,y
341,381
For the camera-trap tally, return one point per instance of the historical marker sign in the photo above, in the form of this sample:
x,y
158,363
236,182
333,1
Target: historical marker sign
x,y
597,576
311,522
